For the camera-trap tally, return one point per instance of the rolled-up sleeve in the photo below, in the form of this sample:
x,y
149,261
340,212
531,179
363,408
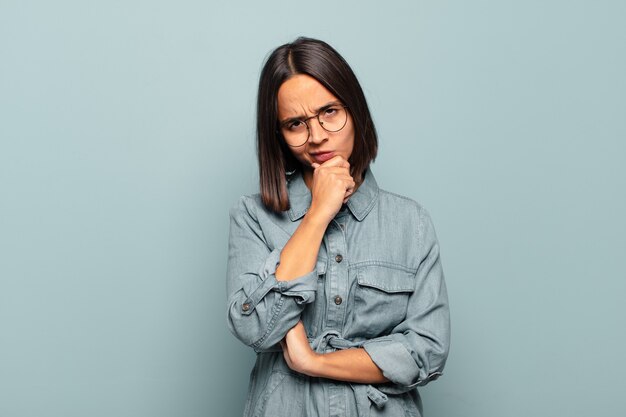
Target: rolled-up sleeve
x,y
261,309
416,350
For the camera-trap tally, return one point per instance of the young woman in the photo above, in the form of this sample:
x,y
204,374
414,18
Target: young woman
x,y
334,282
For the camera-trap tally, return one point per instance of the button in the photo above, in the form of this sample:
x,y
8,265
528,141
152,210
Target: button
x,y
338,300
338,258
245,306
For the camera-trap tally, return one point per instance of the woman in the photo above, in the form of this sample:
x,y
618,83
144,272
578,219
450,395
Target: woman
x,y
335,283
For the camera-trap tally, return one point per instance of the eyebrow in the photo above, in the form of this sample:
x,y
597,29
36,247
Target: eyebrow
x,y
299,117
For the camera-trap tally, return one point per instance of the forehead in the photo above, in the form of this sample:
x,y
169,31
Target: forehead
x,y
302,94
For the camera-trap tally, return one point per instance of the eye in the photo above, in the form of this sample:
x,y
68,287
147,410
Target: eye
x,y
331,111
294,125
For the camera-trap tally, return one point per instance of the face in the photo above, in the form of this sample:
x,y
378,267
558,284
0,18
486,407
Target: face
x,y
301,96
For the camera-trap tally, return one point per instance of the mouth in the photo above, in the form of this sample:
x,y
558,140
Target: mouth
x,y
322,157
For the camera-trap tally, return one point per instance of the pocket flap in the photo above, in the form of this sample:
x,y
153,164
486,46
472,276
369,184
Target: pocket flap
x,y
386,279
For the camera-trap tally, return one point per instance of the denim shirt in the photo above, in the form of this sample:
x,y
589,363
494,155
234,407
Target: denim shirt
x,y
378,284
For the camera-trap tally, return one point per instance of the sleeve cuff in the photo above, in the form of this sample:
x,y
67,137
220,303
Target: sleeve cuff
x,y
302,289
394,360
397,364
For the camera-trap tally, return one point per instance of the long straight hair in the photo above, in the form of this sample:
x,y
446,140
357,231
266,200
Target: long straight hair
x,y
320,61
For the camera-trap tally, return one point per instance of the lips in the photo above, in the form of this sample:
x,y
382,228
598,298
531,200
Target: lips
x,y
322,157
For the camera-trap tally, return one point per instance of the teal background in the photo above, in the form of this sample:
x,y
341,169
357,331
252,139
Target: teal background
x,y
127,131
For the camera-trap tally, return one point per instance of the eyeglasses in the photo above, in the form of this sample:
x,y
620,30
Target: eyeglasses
x,y
332,118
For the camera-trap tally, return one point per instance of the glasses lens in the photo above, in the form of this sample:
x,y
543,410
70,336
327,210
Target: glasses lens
x,y
295,133
334,118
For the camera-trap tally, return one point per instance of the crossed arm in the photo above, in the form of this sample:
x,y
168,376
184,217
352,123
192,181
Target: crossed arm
x,y
352,365
412,354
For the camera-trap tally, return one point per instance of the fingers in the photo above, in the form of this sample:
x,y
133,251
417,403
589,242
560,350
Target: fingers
x,y
338,173
336,165
347,195
332,183
337,170
343,175
335,161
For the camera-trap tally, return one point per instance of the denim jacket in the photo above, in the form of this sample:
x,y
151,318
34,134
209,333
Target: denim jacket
x,y
378,284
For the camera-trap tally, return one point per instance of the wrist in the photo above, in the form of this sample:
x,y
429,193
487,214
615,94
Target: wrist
x,y
316,219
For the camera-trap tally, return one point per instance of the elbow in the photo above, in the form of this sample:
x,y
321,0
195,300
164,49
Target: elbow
x,y
438,354
432,362
254,326
429,356
246,328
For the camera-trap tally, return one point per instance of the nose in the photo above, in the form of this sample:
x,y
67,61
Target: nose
x,y
317,134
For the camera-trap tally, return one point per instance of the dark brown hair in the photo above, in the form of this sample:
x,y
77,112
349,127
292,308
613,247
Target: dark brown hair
x,y
320,61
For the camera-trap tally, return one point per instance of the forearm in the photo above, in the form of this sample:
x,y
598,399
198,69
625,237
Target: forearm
x,y
299,255
352,365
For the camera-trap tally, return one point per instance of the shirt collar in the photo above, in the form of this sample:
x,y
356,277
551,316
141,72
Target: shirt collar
x,y
360,203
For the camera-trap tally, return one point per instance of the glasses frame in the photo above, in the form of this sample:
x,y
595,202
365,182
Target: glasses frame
x,y
317,116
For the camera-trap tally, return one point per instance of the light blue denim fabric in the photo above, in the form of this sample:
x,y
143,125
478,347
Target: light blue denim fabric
x,y
378,284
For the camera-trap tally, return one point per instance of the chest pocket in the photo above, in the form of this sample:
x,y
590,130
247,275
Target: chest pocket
x,y
381,297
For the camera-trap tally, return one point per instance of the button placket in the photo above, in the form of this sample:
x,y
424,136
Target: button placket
x,y
337,279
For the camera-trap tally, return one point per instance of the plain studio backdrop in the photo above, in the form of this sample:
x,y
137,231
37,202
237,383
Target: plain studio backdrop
x,y
127,132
